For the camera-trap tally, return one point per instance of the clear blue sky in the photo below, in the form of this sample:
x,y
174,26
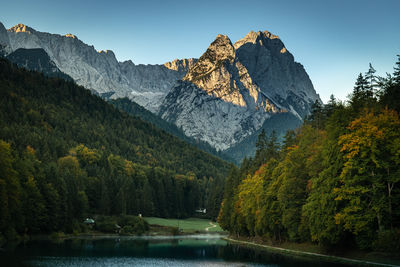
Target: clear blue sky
x,y
334,39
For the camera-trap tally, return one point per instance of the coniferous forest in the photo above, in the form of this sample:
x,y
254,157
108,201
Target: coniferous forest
x,y
66,154
335,181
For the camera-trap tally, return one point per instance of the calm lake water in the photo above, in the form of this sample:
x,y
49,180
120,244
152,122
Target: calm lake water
x,y
202,250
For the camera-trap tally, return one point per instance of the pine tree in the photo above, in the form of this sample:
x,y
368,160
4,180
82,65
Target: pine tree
x,y
361,93
391,89
360,85
396,73
330,106
272,149
372,82
261,141
316,116
261,145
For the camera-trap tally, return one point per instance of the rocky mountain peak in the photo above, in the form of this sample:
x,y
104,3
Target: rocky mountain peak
x,y
21,28
108,53
70,35
220,50
234,90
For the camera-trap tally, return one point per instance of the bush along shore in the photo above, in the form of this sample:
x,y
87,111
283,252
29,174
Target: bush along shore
x,y
99,226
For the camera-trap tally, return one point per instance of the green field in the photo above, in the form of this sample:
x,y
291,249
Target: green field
x,y
186,225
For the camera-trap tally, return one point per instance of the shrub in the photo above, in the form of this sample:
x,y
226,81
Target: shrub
x,y
174,230
388,241
127,230
106,226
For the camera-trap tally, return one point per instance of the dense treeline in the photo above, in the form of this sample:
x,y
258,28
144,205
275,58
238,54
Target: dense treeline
x,y
66,154
334,181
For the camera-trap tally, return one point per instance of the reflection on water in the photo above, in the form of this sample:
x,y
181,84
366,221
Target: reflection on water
x,y
202,250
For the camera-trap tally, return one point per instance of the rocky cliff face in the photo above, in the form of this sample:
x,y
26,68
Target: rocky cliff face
x,y
98,70
234,88
151,83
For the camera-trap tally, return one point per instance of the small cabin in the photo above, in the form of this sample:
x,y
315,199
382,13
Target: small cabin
x,y
201,210
89,221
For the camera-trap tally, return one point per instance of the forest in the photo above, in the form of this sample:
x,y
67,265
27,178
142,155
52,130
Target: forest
x,y
66,154
334,181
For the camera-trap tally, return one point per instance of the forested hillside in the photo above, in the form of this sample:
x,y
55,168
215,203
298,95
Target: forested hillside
x,y
335,181
66,154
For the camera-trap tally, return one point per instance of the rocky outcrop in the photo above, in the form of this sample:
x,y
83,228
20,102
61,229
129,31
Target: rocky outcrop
x,y
4,41
234,88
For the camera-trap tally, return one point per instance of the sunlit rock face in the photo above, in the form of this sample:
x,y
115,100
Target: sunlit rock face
x,y
234,88
99,70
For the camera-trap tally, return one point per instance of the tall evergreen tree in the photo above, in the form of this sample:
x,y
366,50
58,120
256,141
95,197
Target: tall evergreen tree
x,y
317,114
390,92
360,85
396,73
372,82
362,95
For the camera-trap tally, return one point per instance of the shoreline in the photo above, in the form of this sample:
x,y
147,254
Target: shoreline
x,y
149,235
94,236
330,258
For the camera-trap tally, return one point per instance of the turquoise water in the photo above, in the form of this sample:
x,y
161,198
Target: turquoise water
x,y
202,250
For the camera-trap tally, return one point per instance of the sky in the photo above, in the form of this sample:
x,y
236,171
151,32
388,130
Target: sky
x,y
334,40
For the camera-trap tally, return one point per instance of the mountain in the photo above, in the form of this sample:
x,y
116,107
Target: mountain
x,y
236,89
99,71
36,59
224,99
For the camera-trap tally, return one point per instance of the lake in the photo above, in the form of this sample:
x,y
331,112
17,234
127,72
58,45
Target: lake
x,y
200,250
